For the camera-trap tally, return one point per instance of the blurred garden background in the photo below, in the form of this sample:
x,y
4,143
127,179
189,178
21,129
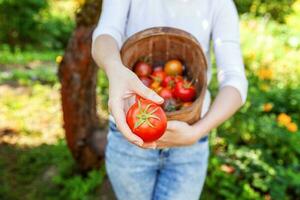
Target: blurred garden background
x,y
254,155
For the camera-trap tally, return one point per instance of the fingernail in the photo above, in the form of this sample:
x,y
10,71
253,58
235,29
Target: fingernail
x,y
159,99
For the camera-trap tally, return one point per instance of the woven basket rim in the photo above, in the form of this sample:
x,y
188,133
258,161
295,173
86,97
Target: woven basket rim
x,y
163,30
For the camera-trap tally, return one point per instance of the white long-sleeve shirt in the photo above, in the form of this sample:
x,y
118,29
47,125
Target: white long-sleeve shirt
x,y
207,20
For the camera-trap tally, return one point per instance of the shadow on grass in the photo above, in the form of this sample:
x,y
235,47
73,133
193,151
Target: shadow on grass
x,y
45,74
47,172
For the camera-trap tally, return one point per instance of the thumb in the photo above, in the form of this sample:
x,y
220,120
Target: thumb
x,y
147,93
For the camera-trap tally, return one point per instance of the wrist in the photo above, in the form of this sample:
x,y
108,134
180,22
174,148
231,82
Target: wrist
x,y
201,128
112,67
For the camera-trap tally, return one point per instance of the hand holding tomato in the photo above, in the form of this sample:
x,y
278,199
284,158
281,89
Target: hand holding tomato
x,y
123,84
147,120
178,134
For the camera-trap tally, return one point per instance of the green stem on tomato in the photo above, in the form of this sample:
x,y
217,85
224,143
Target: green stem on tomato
x,y
144,115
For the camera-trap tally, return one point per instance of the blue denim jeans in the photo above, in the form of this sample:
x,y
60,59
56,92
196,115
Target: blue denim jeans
x,y
169,174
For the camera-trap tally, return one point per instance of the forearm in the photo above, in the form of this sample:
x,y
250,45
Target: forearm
x,y
227,102
106,54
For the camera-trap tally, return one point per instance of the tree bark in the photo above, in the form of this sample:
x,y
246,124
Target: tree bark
x,y
78,77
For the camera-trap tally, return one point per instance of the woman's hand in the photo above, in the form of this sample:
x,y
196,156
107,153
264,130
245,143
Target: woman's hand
x,y
123,87
178,134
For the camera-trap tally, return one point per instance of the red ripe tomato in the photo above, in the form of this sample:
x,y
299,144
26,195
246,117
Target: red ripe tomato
x,y
166,93
173,67
146,80
168,81
158,76
147,120
184,91
142,69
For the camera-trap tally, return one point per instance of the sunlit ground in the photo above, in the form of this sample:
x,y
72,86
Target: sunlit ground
x,y
30,115
33,152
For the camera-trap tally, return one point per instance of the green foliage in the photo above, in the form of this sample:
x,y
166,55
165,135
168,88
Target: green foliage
x,y
44,172
16,28
102,88
253,156
265,155
41,75
42,24
277,9
40,67
29,23
19,57
78,187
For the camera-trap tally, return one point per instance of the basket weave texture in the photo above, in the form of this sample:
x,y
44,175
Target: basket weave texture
x,y
160,44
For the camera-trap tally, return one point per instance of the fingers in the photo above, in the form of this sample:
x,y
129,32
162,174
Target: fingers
x,y
151,145
117,111
128,102
147,93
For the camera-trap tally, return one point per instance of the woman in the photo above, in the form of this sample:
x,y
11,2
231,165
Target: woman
x,y
174,167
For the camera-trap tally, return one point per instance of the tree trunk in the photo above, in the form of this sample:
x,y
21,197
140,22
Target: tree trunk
x,y
78,77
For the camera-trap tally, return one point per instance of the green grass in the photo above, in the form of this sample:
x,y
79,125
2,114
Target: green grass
x,y
44,172
35,162
26,57
41,74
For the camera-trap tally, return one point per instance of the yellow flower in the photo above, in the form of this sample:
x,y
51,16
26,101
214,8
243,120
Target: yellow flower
x,y
265,74
292,127
284,119
59,59
267,107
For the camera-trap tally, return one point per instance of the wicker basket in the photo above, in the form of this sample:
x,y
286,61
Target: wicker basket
x,y
161,44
